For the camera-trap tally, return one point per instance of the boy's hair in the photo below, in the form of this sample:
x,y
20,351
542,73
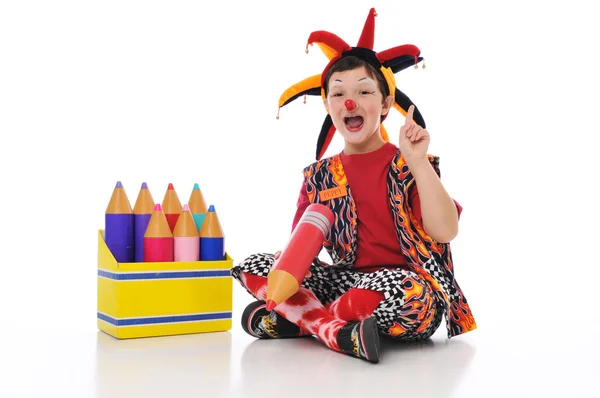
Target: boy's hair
x,y
350,63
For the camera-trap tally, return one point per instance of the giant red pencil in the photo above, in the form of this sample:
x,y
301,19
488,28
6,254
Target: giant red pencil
x,y
295,259
186,238
171,206
158,239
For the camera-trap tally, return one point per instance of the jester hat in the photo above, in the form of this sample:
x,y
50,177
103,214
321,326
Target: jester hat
x,y
387,62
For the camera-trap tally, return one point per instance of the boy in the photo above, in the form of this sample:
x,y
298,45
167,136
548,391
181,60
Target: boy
x,y
392,271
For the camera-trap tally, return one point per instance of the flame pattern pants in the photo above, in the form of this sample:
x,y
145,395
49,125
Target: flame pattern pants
x,y
410,309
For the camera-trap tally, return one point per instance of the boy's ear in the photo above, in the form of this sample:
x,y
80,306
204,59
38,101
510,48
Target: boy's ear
x,y
387,105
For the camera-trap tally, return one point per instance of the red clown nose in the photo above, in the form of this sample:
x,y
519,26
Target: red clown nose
x,y
350,104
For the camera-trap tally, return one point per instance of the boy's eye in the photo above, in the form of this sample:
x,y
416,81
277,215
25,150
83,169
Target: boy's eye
x,y
336,94
365,92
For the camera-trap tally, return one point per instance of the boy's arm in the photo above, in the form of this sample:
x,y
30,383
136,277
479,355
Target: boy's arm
x,y
415,204
438,209
301,205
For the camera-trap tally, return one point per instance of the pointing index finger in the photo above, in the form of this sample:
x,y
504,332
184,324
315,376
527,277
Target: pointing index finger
x,y
409,115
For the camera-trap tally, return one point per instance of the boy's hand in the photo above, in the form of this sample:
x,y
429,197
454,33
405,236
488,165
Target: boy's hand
x,y
414,139
278,253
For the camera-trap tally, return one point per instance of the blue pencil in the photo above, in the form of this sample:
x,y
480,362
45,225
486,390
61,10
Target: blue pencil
x,y
212,239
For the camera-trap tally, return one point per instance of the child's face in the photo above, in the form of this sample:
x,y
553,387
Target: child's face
x,y
359,126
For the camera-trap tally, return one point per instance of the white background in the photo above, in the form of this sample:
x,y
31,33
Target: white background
x,y
187,91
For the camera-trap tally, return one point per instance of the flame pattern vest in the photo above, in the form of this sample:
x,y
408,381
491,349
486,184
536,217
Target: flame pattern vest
x,y
326,183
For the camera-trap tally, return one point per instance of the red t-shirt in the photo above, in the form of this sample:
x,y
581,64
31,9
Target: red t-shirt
x,y
367,177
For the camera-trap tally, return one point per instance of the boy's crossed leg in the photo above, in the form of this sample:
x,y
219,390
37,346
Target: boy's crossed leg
x,y
307,313
403,305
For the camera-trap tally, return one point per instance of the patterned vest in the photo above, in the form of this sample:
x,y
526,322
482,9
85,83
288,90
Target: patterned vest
x,y
326,183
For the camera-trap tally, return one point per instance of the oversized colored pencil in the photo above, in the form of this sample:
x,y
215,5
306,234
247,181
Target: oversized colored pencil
x,y
288,272
119,226
197,206
142,210
171,206
186,238
212,239
158,239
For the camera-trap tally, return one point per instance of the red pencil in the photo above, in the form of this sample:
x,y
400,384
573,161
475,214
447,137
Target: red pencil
x,y
158,239
171,206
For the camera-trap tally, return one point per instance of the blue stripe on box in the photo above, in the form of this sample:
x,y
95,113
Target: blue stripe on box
x,y
129,276
164,319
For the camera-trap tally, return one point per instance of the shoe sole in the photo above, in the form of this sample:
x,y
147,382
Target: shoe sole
x,y
248,315
370,339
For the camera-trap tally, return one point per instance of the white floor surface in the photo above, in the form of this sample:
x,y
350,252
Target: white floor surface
x,y
489,362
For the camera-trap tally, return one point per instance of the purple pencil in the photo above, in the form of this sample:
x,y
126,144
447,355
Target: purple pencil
x,y
119,228
142,210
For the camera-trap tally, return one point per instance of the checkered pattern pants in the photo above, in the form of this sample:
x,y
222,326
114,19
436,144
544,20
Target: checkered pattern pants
x,y
410,309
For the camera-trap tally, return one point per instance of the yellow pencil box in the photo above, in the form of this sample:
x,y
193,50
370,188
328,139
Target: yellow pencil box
x,y
162,298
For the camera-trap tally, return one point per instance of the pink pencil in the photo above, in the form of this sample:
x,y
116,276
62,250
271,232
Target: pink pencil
x,y
186,237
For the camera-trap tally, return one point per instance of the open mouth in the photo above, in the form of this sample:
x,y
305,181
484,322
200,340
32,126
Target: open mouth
x,y
353,123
